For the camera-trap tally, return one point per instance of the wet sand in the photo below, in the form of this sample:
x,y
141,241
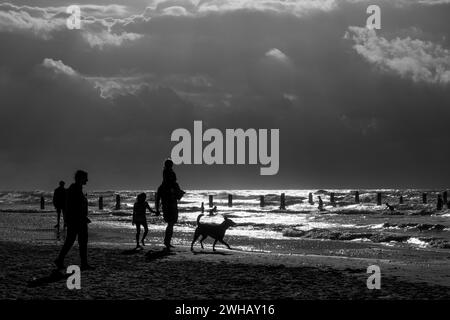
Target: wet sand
x,y
312,270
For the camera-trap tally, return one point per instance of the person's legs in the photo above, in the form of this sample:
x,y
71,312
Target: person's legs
x,y
82,243
58,217
138,232
168,235
64,217
145,232
70,239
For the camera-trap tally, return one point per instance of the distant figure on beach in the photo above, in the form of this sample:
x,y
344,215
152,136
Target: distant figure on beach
x,y
202,208
168,194
213,211
59,202
390,207
139,217
440,203
320,203
77,221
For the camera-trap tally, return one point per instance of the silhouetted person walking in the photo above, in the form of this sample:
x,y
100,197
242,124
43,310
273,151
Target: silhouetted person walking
x,y
77,221
168,194
139,217
320,203
59,202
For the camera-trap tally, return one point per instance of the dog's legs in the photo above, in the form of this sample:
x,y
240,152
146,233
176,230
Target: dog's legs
x,y
201,240
196,235
214,245
223,241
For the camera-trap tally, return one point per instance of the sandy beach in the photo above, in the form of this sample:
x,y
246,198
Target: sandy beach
x,y
316,269
305,140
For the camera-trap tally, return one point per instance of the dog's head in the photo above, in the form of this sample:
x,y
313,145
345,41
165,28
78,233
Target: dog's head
x,y
228,222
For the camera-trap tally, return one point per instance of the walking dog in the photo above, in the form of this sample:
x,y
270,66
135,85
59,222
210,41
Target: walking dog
x,y
216,231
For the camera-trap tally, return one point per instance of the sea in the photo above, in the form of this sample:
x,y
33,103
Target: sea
x,y
412,223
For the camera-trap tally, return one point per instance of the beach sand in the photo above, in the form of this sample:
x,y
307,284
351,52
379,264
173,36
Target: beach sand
x,y
317,269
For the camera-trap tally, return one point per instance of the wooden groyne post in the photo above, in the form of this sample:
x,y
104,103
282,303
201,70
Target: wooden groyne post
x,y
401,200
117,202
379,198
211,202
283,202
356,196
444,197
230,200
332,200
310,198
261,201
100,203
424,198
42,203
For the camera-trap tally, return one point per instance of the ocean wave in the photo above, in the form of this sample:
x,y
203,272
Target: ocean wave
x,y
417,242
383,238
355,211
18,210
417,226
121,213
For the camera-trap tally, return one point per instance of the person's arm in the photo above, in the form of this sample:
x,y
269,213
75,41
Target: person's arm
x,y
149,209
134,214
157,201
54,198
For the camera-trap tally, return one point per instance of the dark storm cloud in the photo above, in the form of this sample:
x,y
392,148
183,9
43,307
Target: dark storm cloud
x,y
354,108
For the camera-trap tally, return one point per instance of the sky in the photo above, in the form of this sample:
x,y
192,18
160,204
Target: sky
x,y
355,108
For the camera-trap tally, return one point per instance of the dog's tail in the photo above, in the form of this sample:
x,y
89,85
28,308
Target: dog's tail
x,y
198,218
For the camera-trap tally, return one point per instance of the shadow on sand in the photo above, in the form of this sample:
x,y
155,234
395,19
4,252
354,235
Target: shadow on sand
x,y
54,276
132,251
158,254
212,252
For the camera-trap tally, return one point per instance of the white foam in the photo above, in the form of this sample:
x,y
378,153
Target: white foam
x,y
361,240
417,242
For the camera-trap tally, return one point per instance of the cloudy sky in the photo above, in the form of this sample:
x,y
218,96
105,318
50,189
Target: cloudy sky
x,y
355,108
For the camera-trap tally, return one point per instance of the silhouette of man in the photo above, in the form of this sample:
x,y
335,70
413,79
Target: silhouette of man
x,y
168,194
77,221
320,203
59,202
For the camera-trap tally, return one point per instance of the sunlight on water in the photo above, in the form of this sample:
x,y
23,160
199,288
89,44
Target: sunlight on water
x,y
412,223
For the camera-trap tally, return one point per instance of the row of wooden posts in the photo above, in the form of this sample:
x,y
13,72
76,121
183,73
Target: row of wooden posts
x,y
282,200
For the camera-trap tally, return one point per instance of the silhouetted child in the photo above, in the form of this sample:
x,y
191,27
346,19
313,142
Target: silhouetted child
x,y
170,179
139,217
202,207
